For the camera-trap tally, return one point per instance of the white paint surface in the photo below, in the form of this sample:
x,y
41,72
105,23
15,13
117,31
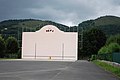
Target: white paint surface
x,y
54,44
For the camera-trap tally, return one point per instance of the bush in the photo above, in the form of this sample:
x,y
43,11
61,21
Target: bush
x,y
104,50
107,57
2,47
111,48
113,39
114,47
93,57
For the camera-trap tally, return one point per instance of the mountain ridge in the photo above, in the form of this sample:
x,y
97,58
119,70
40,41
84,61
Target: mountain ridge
x,y
108,24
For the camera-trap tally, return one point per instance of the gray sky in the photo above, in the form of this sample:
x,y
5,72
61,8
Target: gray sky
x,y
68,12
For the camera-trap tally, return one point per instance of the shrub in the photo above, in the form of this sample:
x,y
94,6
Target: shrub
x,y
114,47
107,57
104,50
111,48
93,57
113,39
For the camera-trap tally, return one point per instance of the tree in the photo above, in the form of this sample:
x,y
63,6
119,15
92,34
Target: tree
x,y
2,47
113,39
104,50
12,45
93,40
114,47
111,48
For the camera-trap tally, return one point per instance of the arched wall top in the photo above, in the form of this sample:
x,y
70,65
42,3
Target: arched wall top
x,y
49,29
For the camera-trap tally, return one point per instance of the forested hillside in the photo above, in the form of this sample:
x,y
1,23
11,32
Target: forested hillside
x,y
108,24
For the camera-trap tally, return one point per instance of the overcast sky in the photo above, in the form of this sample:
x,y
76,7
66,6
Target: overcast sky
x,y
68,12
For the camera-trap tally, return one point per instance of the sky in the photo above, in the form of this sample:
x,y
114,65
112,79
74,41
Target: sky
x,y
67,12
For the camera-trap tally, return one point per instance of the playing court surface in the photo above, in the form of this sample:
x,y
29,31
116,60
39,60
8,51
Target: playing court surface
x,y
52,70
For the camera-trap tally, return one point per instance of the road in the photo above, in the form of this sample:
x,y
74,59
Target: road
x,y
52,70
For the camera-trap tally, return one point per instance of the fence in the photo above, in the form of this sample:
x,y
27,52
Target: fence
x,y
115,57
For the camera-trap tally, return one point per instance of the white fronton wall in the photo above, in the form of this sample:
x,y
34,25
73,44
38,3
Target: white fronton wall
x,y
49,43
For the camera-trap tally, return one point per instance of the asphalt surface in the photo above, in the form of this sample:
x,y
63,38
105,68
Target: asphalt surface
x,y
52,70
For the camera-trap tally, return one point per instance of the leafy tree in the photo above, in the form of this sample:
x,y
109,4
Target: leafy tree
x,y
113,39
114,47
111,48
2,47
12,45
93,40
104,50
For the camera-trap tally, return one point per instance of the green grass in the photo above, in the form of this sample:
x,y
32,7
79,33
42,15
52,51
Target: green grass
x,y
7,58
115,70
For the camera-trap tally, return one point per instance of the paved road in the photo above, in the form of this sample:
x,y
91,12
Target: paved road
x,y
52,70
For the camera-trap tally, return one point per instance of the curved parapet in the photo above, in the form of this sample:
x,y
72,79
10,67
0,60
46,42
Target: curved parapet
x,y
49,29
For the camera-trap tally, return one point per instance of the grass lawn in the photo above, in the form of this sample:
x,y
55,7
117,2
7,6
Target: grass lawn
x,y
115,70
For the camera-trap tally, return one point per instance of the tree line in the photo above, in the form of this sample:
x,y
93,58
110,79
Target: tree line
x,y
93,39
9,48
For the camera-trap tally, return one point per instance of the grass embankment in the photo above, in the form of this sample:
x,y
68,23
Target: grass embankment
x,y
115,70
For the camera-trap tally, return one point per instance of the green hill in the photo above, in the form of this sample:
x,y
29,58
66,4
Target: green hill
x,y
30,24
107,20
109,24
